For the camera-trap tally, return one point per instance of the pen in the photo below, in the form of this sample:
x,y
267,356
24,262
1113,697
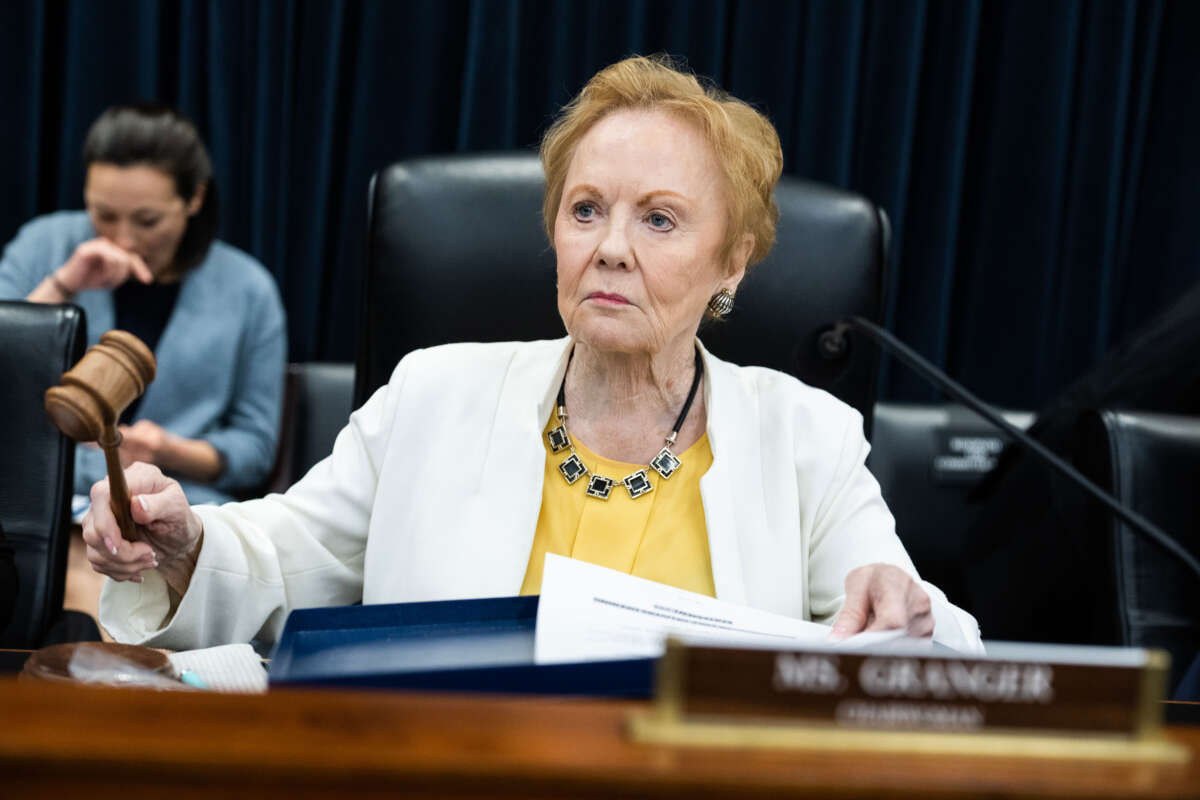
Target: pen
x,y
192,679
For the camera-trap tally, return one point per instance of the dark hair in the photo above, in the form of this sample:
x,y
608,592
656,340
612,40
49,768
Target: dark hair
x,y
160,137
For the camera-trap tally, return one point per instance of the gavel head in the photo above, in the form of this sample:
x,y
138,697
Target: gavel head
x,y
93,393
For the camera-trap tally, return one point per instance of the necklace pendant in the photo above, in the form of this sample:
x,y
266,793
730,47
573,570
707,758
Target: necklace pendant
x,y
666,463
638,483
572,469
558,438
599,486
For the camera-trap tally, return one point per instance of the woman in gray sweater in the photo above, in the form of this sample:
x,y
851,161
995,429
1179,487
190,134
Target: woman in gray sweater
x,y
143,257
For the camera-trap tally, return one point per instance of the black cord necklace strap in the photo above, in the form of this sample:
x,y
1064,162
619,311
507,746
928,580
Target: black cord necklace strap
x,y
561,402
687,404
638,483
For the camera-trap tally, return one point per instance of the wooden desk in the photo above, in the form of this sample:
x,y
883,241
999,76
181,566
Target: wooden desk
x,y
58,740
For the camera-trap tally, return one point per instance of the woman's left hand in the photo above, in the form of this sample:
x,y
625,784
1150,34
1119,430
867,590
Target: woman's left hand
x,y
882,597
142,441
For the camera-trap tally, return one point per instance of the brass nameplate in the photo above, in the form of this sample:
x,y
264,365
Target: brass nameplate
x,y
1081,695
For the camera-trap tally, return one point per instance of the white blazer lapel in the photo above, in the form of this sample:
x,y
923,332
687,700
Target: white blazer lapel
x,y
734,473
516,460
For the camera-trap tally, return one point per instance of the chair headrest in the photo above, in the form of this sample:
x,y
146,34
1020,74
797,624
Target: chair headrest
x,y
456,252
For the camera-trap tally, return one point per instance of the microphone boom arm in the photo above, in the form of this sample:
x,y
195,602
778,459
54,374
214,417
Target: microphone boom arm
x,y
833,343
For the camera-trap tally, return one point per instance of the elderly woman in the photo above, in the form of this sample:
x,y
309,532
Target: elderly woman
x,y
624,444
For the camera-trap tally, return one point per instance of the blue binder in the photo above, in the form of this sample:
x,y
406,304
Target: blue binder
x,y
456,645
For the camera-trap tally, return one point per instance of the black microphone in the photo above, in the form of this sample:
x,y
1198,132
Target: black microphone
x,y
834,344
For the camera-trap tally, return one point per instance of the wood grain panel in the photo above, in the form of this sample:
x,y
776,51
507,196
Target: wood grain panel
x,y
62,740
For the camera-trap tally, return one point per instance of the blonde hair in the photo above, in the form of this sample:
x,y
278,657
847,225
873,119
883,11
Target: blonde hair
x,y
743,141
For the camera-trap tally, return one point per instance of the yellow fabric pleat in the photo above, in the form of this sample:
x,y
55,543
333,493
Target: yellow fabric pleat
x,y
660,536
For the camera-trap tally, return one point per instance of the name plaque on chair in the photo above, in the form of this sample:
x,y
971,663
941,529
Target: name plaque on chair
x,y
1039,700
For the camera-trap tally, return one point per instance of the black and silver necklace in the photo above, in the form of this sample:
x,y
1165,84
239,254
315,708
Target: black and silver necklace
x,y
637,483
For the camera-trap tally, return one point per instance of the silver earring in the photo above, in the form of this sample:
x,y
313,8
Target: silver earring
x,y
721,303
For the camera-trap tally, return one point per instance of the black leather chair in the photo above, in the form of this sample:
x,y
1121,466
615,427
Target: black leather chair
x,y
456,252
37,344
1150,462
1071,571
318,399
10,581
927,459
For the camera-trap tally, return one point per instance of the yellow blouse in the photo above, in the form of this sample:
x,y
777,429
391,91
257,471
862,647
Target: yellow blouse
x,y
660,536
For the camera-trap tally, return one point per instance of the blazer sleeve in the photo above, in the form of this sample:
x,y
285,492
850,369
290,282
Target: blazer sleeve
x,y
853,527
24,263
250,431
262,558
90,467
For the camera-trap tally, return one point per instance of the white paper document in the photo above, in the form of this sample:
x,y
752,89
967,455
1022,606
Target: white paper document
x,y
227,668
592,613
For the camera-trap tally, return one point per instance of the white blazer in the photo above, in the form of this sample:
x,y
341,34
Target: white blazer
x,y
433,490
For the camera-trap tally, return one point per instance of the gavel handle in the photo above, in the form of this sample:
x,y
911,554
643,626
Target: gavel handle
x,y
118,490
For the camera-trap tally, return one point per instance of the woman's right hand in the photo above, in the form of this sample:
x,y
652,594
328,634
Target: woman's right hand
x,y
100,264
171,532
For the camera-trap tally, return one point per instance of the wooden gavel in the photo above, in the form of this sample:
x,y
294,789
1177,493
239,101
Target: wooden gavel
x,y
91,398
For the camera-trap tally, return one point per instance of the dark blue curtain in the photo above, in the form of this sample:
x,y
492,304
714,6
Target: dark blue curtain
x,y
1037,159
